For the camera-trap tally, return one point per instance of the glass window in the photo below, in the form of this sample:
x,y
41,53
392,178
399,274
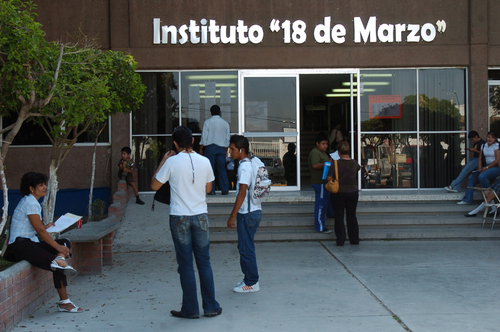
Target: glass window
x,y
33,134
159,112
494,105
270,104
271,151
442,99
201,90
388,100
389,161
147,152
441,158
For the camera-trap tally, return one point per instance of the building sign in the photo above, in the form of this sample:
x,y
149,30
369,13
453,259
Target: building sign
x,y
325,32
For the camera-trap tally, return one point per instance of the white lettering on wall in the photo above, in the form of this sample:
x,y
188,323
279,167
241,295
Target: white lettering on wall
x,y
208,31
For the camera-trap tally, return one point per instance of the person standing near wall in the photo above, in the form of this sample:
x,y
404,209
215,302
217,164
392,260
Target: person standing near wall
x,y
190,176
213,145
322,205
477,144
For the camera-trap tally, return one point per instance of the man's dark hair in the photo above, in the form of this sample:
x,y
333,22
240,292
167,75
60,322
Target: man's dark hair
x,y
31,179
473,134
321,137
215,110
127,150
240,142
183,136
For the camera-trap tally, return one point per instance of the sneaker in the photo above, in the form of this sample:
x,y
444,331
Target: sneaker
x,y
241,283
326,231
247,289
139,201
464,203
450,189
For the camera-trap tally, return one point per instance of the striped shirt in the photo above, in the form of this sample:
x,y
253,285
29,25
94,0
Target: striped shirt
x,y
20,225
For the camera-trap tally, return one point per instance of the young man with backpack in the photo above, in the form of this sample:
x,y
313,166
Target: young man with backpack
x,y
247,212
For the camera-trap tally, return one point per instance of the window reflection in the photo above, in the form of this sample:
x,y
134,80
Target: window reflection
x,y
201,90
271,151
389,161
147,153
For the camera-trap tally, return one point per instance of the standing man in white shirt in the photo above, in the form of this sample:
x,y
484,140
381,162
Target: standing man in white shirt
x,y
190,176
213,145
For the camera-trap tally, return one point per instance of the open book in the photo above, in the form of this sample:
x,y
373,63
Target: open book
x,y
63,222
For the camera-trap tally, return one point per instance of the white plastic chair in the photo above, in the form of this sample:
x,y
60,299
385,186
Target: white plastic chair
x,y
489,205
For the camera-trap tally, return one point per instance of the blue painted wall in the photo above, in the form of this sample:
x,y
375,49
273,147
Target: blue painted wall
x,y
74,201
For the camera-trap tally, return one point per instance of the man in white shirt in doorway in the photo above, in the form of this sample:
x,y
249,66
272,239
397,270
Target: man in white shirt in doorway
x,y
213,145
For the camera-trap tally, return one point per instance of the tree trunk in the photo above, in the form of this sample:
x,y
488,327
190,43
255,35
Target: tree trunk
x,y
49,202
92,179
5,197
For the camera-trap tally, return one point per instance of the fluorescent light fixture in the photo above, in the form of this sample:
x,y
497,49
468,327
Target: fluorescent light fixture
x,y
211,77
376,75
349,90
375,83
217,97
333,95
202,85
349,83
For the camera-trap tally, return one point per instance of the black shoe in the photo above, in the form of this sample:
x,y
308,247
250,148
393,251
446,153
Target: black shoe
x,y
213,314
225,192
211,193
470,215
326,231
179,314
139,201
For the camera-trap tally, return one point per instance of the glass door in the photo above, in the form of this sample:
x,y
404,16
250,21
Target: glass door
x,y
494,105
270,122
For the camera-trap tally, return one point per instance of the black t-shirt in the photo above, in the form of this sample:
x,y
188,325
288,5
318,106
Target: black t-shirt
x,y
348,175
478,146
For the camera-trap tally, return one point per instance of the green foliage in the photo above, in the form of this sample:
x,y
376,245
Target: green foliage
x,y
23,55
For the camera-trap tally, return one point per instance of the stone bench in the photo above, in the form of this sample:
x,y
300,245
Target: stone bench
x,y
93,244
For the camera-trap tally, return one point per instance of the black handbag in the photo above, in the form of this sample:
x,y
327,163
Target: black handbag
x,y
162,195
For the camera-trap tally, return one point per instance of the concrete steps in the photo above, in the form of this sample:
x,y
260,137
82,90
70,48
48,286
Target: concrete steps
x,y
392,220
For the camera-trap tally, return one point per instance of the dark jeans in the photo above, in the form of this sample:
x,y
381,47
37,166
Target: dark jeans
x,y
345,202
190,235
247,225
38,254
217,157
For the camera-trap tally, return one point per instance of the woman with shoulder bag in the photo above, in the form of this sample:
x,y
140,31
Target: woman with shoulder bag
x,y
346,199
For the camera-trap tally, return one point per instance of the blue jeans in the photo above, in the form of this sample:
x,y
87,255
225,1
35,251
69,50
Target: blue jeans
x,y
247,225
469,167
190,235
322,207
483,178
217,157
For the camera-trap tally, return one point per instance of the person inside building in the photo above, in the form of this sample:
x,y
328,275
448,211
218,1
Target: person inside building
x,y
190,176
335,137
488,167
477,144
322,205
25,230
214,144
290,164
346,199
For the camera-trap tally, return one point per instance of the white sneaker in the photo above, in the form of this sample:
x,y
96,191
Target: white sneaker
x,y
247,289
450,189
463,203
241,283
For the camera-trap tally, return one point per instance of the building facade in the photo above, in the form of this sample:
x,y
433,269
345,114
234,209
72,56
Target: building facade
x,y
406,80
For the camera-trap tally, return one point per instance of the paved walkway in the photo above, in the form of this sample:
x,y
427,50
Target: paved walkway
x,y
305,286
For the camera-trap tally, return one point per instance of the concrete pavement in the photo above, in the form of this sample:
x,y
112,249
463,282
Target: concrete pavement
x,y
305,286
